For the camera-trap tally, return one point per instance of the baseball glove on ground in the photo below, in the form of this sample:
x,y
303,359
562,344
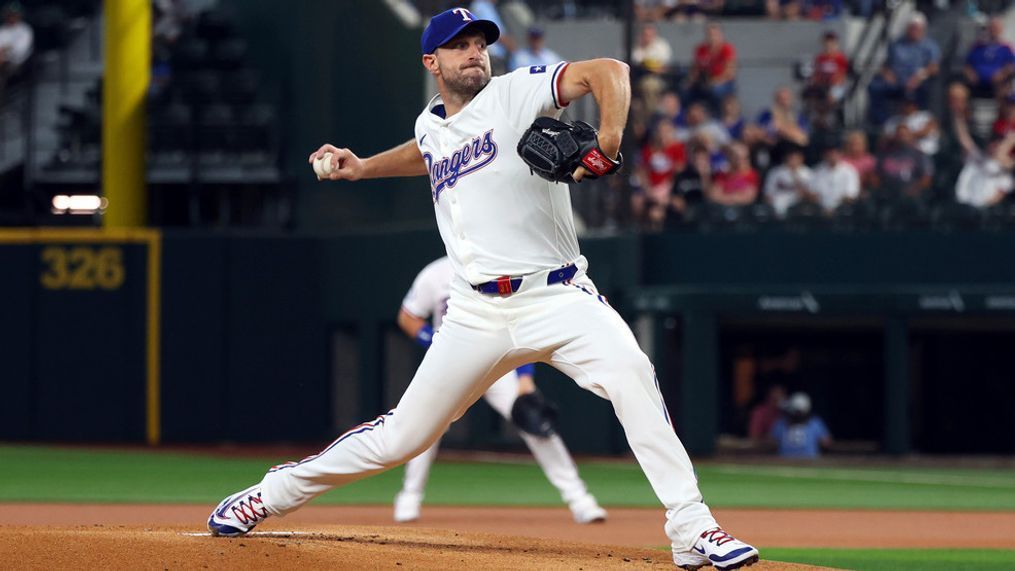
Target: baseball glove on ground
x,y
534,414
554,149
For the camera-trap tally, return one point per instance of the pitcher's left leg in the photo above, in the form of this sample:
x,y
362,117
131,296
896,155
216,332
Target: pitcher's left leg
x,y
596,348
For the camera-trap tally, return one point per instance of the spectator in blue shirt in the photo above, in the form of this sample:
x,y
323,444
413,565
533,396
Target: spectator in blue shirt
x,y
990,63
798,433
536,53
912,61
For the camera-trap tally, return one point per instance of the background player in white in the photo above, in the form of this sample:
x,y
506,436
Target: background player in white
x,y
520,293
428,297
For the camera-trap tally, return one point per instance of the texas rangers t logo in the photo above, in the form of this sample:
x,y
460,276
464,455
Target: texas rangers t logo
x,y
445,172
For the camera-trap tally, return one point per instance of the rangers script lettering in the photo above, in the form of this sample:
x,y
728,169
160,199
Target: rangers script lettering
x,y
446,172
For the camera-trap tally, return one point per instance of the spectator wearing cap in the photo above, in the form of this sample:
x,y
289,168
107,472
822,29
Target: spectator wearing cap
x,y
835,181
789,183
922,125
535,52
990,63
831,69
798,433
912,60
16,42
714,69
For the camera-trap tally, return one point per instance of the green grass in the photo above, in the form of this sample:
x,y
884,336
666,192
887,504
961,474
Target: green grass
x,y
37,474
892,559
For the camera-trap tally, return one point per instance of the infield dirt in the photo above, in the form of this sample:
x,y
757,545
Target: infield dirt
x,y
46,536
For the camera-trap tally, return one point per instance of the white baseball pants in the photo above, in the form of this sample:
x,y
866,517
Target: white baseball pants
x,y
569,326
550,453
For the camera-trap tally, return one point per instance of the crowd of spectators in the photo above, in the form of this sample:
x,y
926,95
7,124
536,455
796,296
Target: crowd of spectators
x,y
700,153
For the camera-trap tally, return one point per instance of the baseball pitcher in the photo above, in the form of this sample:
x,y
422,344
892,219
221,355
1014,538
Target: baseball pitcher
x,y
494,154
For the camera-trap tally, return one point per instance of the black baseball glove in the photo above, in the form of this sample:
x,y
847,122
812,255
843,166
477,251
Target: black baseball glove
x,y
534,414
554,149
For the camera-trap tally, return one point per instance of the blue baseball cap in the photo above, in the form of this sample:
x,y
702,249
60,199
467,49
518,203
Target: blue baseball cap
x,y
450,23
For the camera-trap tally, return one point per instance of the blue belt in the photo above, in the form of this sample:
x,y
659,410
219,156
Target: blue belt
x,y
507,285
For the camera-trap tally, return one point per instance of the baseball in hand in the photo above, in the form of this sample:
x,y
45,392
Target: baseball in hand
x,y
322,166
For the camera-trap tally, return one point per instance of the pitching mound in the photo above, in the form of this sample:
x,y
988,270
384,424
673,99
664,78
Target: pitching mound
x,y
324,547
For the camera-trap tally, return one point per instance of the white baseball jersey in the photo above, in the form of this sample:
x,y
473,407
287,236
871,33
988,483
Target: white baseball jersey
x,y
428,296
781,186
496,218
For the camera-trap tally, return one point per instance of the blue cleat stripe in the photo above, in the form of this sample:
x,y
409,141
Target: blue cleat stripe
x,y
730,555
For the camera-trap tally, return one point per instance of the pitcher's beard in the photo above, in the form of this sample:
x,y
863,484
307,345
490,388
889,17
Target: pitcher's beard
x,y
467,86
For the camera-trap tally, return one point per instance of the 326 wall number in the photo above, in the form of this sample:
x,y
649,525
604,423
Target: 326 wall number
x,y
82,267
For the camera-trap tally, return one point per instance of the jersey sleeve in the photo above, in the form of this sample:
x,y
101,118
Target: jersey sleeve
x,y
420,298
779,429
531,92
821,429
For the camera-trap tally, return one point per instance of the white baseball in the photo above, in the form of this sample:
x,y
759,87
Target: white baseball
x,y
322,165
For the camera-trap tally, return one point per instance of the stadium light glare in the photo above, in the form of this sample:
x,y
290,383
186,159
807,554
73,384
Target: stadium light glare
x,y
77,204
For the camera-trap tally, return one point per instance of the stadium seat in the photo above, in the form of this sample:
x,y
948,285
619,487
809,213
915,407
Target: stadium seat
x,y
856,216
214,25
190,54
200,88
171,128
1000,217
257,124
904,213
229,54
240,87
954,216
49,25
216,128
805,217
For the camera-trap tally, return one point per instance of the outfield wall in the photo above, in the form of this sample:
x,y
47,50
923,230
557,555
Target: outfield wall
x,y
204,337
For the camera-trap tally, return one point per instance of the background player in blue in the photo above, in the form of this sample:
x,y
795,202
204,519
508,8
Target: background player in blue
x,y
428,298
520,293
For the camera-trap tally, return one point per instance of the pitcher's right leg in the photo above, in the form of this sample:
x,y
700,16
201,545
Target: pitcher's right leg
x,y
460,365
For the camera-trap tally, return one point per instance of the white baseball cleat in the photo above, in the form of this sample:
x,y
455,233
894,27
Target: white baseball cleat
x,y
717,548
407,506
238,513
587,510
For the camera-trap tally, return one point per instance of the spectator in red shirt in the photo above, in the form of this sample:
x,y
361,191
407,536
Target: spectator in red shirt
x,y
1005,122
713,72
739,185
831,68
662,159
765,414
